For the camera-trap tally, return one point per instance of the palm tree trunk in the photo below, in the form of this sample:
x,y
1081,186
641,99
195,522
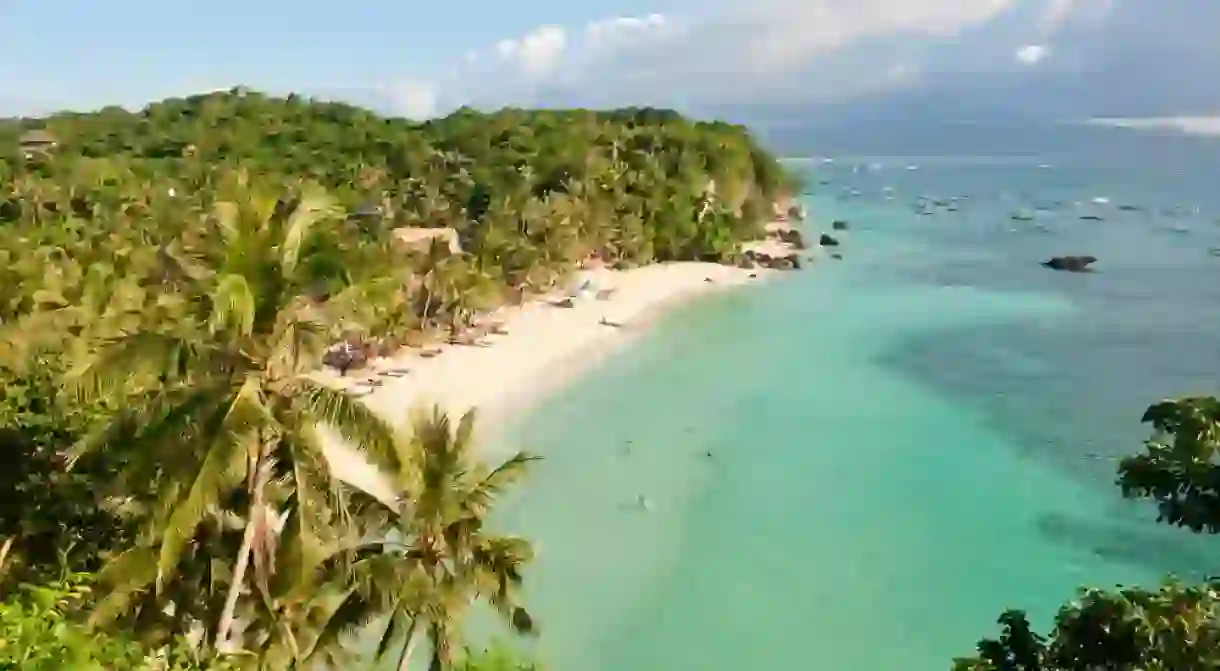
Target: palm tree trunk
x,y
404,659
243,554
239,574
438,657
8,545
428,300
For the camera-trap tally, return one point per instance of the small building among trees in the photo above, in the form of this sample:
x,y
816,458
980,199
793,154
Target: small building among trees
x,y
36,142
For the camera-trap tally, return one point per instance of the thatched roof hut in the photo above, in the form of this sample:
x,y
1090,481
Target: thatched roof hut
x,y
36,140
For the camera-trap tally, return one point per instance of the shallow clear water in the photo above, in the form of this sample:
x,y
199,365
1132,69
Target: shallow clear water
x,y
902,443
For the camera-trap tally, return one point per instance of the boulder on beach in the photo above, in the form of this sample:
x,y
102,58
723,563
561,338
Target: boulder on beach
x,y
792,237
345,356
838,225
827,241
1071,264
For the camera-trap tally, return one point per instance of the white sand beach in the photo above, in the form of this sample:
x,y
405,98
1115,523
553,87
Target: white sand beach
x,y
541,347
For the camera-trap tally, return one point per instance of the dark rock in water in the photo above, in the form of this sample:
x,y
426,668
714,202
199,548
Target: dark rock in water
x,y
827,241
1130,208
1214,251
795,261
782,263
837,256
1091,217
838,225
1072,264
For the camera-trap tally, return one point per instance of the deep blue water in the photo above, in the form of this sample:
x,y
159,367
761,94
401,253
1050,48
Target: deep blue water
x,y
902,443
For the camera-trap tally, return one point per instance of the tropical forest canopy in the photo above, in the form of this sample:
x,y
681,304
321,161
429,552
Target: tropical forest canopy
x,y
170,279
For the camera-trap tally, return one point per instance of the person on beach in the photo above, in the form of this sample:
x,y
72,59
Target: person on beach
x,y
588,284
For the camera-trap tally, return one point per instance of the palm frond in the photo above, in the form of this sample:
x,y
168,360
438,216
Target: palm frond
x,y
463,438
226,464
351,616
227,216
127,575
137,356
371,435
247,408
297,341
484,492
303,533
398,625
313,209
233,305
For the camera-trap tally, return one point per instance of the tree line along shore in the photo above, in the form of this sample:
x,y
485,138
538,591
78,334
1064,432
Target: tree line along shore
x,y
174,276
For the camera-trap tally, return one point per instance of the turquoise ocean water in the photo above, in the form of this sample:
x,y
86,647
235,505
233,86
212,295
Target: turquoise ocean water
x,y
902,443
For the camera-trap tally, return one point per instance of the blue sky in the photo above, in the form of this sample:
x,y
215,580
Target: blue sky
x,y
1052,57
84,53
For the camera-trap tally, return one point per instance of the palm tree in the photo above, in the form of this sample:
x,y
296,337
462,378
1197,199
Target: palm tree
x,y
218,407
427,555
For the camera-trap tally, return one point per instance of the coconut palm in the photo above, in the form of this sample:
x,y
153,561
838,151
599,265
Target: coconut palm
x,y
426,554
218,407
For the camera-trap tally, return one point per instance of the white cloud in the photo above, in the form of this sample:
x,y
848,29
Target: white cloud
x,y
757,51
623,31
538,52
1058,13
1191,125
413,99
1032,54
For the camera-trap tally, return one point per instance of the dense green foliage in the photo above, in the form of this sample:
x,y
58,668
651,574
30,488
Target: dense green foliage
x,y
38,632
169,281
1173,628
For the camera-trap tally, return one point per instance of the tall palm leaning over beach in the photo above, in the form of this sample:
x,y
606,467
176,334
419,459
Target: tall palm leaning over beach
x,y
217,407
427,555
